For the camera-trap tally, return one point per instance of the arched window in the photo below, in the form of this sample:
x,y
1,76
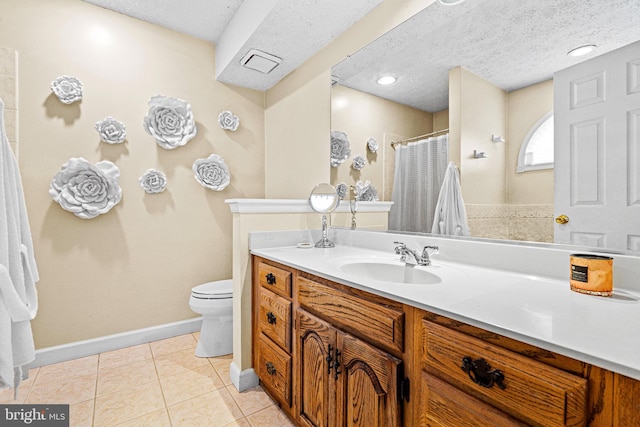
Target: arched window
x,y
536,151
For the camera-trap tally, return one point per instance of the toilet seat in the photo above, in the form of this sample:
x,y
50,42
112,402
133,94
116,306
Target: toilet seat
x,y
222,289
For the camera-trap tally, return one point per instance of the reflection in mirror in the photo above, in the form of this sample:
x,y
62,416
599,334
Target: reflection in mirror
x,y
324,199
480,69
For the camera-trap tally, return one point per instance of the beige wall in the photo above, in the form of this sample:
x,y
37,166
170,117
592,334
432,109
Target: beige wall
x,y
526,106
133,267
362,116
476,111
9,94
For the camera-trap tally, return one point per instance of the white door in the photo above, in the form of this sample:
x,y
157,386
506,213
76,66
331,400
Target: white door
x,y
597,151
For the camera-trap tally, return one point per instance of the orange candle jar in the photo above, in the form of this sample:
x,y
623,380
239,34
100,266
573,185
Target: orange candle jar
x,y
592,274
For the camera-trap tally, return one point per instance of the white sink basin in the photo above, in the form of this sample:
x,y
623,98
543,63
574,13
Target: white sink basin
x,y
398,272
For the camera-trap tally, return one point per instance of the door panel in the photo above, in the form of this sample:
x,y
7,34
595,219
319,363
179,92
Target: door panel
x,y
597,163
366,385
315,386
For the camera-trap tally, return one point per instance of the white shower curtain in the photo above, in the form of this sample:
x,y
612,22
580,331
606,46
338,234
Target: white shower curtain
x,y
418,176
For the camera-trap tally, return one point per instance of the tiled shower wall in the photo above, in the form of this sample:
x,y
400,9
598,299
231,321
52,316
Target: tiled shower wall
x,y
9,94
512,222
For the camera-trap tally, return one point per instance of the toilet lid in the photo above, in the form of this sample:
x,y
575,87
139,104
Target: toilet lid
x,y
214,290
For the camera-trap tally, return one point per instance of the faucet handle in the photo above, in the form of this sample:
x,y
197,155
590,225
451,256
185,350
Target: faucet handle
x,y
436,249
400,246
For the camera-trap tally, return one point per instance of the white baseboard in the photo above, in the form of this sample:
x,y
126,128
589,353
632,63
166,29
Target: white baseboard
x,y
243,380
74,350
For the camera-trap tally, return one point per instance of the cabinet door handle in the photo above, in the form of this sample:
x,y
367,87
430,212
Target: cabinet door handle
x,y
481,373
336,364
329,359
271,279
271,370
271,318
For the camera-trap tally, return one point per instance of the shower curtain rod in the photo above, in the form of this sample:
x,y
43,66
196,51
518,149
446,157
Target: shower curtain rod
x,y
402,141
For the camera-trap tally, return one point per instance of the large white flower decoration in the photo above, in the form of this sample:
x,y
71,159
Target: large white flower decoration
x,y
170,121
212,172
153,181
358,163
86,190
340,150
372,145
228,121
365,192
111,130
68,89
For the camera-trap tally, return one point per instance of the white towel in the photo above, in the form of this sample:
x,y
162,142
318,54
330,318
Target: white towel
x,y
451,216
18,271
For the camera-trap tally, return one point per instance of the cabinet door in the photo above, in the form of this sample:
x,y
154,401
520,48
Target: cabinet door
x,y
367,385
316,352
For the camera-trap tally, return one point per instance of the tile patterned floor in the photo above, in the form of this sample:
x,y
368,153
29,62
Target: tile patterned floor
x,y
158,384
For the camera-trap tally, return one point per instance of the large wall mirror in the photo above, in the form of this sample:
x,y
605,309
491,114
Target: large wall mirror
x,y
480,76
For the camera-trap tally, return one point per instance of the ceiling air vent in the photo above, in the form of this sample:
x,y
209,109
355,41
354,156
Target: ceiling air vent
x,y
260,61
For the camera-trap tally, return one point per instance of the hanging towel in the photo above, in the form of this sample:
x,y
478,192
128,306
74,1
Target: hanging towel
x,y
18,271
450,216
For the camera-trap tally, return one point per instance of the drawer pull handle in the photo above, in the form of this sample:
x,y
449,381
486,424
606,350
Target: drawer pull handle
x,y
329,359
336,364
271,279
271,318
481,373
271,370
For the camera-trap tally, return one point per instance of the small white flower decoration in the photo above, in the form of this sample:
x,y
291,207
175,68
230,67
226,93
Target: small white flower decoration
x,y
111,130
228,121
340,150
372,145
68,89
170,121
358,162
153,181
342,189
86,190
212,172
365,192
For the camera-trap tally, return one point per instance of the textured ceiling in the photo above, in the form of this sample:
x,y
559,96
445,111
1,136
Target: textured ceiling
x,y
511,44
293,30
204,19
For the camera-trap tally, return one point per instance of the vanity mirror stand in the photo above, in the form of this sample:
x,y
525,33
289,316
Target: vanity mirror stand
x,y
324,199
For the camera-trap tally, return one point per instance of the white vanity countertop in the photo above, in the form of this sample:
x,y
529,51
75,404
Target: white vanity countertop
x,y
541,311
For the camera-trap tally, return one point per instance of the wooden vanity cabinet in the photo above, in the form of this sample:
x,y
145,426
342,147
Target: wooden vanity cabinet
x,y
332,355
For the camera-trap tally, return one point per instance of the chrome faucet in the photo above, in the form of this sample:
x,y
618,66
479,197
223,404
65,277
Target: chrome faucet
x,y
409,256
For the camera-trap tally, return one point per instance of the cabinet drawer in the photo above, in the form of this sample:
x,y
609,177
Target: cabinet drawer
x,y
274,369
274,318
374,322
533,392
275,279
446,406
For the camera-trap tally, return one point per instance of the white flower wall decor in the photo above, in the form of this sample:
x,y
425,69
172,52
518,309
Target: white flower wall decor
x,y
68,89
111,130
228,121
340,149
212,172
342,189
372,145
365,192
170,121
86,190
153,181
358,162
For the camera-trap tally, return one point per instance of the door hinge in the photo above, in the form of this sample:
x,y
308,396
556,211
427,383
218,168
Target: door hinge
x,y
404,389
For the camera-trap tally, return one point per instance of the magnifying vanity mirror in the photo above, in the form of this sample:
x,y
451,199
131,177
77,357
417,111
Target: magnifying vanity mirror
x,y
455,66
324,199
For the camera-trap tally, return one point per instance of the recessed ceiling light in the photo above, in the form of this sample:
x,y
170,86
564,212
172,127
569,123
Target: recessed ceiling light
x,y
582,50
450,2
387,80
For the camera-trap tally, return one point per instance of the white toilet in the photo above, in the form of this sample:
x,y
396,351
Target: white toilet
x,y
214,301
